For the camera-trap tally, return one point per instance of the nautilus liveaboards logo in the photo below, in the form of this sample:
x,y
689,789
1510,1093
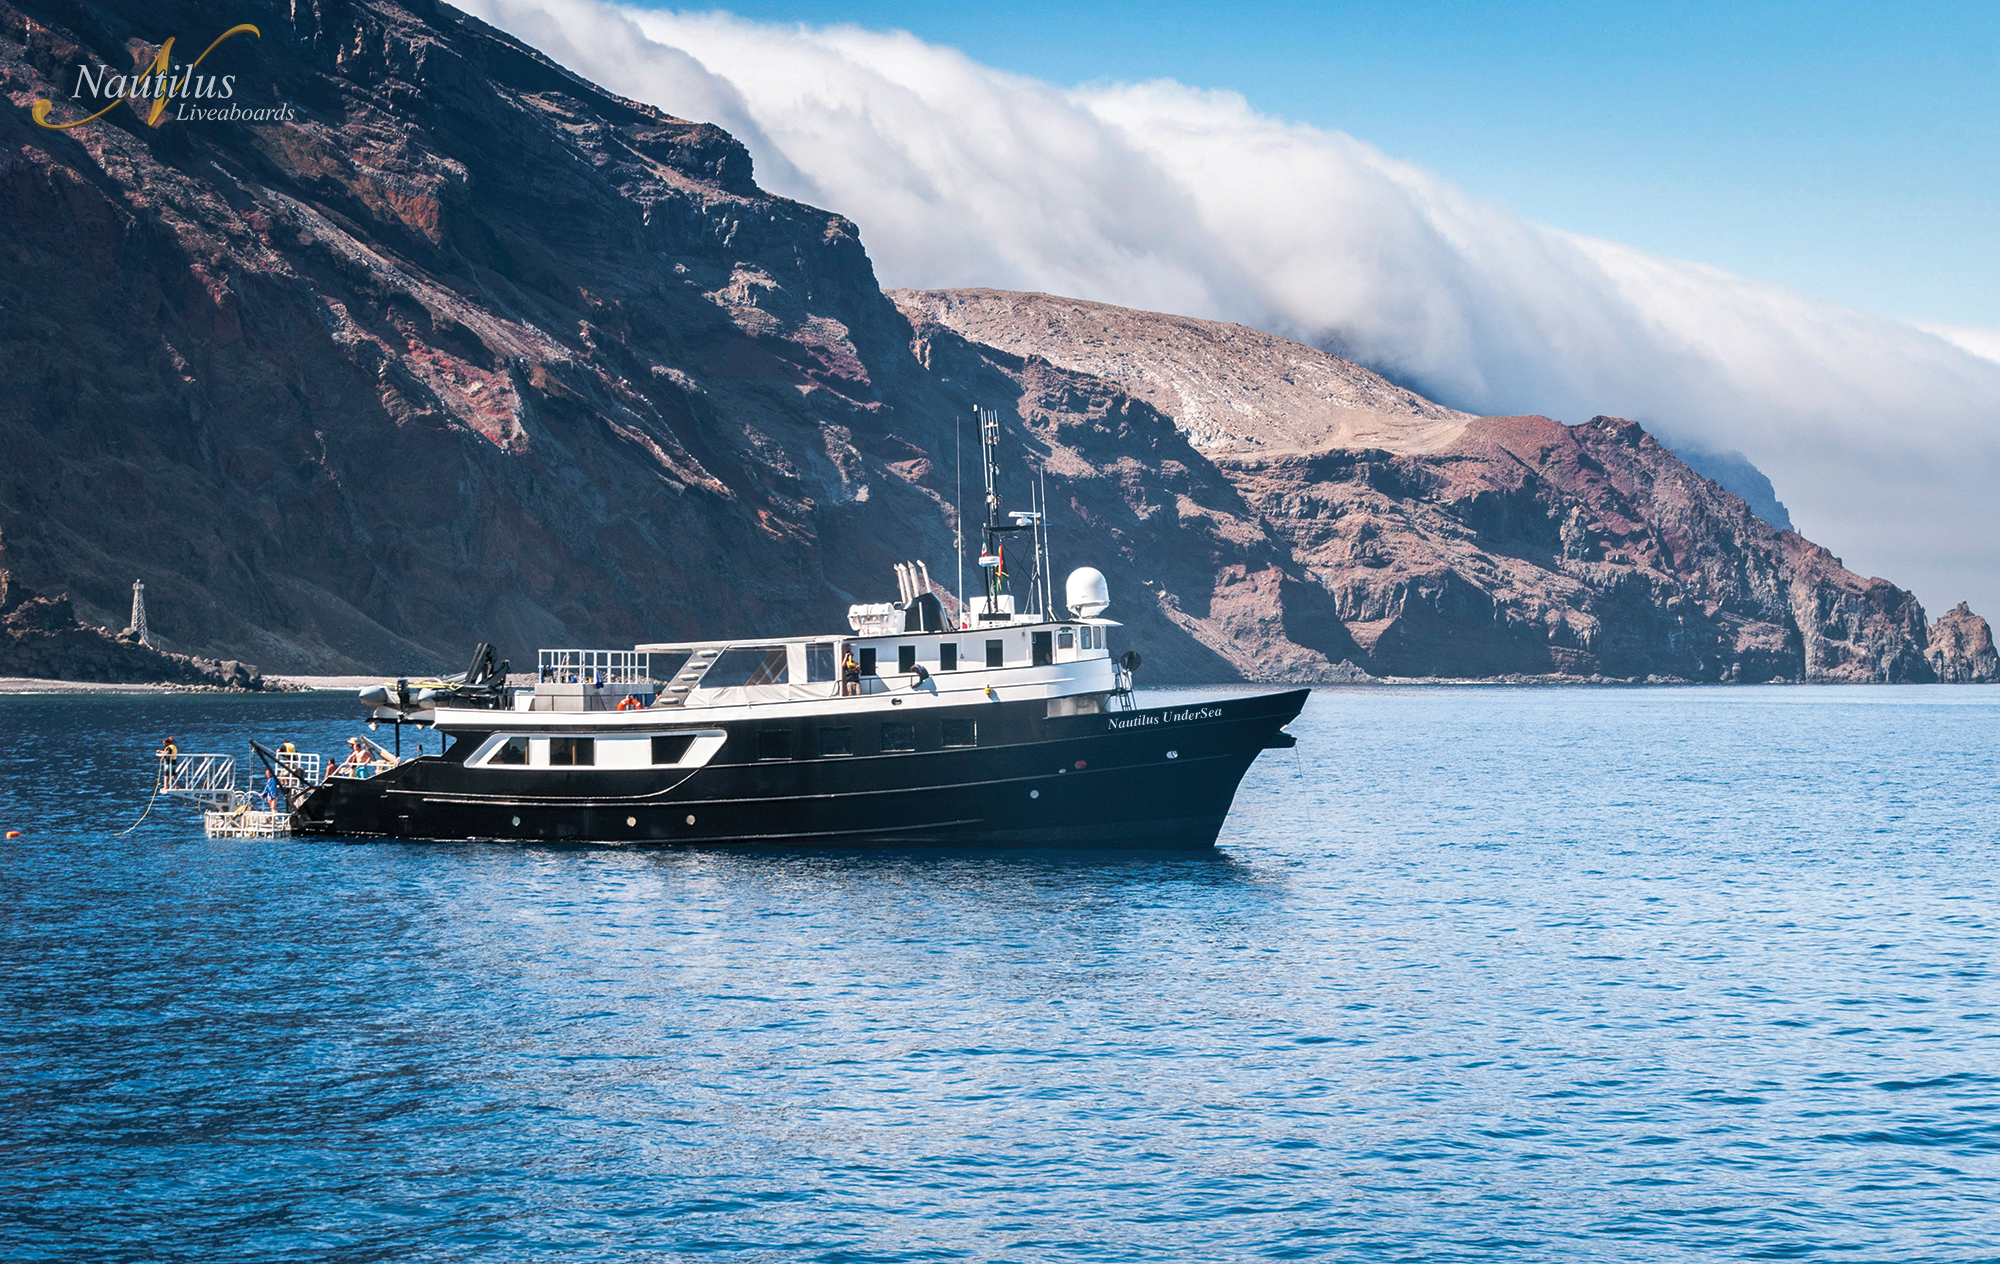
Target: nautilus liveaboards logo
x,y
157,83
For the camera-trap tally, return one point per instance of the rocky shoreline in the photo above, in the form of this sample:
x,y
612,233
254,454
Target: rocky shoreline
x,y
41,638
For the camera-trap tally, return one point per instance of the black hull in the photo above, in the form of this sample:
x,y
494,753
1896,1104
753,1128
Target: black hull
x,y
1161,777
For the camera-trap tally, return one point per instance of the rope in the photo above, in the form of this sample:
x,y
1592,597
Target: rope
x,y
143,815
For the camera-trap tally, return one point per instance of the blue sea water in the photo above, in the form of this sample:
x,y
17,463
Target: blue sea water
x,y
1474,974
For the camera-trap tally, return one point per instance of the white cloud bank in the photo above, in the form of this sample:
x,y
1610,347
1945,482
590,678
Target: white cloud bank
x,y
1883,439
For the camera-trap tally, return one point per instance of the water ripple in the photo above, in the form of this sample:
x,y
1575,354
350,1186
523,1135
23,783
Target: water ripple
x,y
1476,974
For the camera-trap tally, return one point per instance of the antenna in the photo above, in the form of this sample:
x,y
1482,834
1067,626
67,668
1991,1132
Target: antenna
x,y
1035,581
989,556
1042,546
958,524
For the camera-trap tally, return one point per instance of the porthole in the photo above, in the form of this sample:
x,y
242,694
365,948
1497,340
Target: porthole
x,y
631,820
1173,754
1034,794
517,820
690,820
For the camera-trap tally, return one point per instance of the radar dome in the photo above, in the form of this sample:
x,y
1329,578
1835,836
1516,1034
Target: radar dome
x,y
1085,592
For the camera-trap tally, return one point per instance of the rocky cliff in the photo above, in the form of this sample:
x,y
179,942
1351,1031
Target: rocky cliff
x,y
1470,547
469,349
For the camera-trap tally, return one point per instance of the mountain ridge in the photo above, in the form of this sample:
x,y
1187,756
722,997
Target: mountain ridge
x,y
474,350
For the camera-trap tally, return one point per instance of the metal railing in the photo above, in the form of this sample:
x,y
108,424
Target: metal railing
x,y
595,667
243,819
205,778
297,769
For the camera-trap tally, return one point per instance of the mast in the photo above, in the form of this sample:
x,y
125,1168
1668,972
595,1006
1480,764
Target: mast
x,y
958,521
1042,545
989,555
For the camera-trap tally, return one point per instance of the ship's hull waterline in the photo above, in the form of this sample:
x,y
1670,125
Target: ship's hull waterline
x,y
1156,777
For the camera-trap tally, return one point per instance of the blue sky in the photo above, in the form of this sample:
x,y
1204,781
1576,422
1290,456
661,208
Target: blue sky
x,y
1851,152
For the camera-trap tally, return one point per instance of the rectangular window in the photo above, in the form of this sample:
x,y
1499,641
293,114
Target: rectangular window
x,y
1065,639
572,752
672,748
995,653
948,657
748,665
1083,637
838,741
512,751
868,662
820,663
1044,651
961,732
899,737
906,659
774,744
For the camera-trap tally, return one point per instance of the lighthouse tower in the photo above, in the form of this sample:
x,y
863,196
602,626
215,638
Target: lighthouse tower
x,y
138,628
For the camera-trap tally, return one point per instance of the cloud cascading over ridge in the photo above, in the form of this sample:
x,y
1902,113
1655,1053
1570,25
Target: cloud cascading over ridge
x,y
1884,439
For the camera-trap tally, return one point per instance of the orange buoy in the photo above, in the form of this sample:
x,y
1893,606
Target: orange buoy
x,y
13,833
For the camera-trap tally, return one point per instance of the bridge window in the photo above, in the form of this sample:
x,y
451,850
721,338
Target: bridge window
x,y
948,657
1083,638
572,752
774,744
512,751
1044,650
867,658
820,662
672,748
996,653
1065,640
899,737
961,732
838,741
906,659
748,665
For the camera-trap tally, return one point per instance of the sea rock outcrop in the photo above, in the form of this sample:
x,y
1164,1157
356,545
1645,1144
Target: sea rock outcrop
x,y
1961,648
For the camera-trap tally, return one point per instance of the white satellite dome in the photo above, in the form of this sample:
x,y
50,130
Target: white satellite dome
x,y
1085,593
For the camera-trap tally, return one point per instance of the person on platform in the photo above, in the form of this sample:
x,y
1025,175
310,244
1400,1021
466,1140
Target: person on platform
x,y
170,755
850,673
356,762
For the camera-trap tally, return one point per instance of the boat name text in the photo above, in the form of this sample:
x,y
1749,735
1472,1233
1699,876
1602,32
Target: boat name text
x,y
1170,717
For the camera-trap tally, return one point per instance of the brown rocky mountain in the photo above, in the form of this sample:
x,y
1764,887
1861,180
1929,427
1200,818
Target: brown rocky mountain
x,y
1462,546
1229,388
471,349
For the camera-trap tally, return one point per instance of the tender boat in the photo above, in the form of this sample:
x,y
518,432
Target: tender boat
x,y
974,724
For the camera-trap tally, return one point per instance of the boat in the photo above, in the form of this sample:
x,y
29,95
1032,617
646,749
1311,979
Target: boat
x,y
932,720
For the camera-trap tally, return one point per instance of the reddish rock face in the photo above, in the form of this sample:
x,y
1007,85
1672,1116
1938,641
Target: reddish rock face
x,y
473,350
1517,546
1532,547
1961,648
